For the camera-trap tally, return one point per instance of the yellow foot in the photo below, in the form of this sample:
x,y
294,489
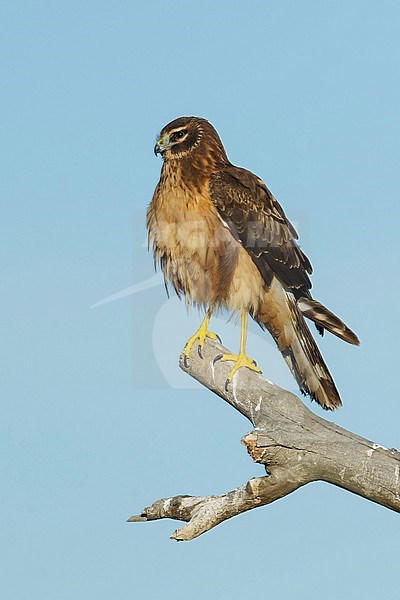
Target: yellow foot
x,y
240,360
201,334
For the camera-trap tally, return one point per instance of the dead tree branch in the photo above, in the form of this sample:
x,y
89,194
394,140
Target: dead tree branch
x,y
295,446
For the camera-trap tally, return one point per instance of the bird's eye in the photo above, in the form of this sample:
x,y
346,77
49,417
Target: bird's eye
x,y
178,135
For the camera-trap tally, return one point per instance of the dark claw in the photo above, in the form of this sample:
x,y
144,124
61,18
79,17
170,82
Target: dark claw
x,y
255,364
217,358
218,338
200,351
185,362
227,382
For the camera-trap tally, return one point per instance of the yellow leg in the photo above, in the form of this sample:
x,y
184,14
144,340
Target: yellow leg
x,y
201,334
241,359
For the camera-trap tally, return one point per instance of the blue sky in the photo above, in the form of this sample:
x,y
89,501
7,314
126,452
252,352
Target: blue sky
x,y
97,421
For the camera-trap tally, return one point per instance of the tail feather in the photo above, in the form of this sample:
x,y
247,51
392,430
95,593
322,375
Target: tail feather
x,y
283,318
309,368
325,319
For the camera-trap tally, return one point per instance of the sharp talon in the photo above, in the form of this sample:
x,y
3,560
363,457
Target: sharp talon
x,y
218,338
227,382
217,358
199,339
255,363
185,362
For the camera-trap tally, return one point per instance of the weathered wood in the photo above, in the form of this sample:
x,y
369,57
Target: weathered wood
x,y
295,446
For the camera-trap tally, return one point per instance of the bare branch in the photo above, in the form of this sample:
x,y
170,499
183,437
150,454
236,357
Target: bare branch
x,y
295,446
204,513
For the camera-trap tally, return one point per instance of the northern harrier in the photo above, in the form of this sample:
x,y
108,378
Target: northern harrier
x,y
223,241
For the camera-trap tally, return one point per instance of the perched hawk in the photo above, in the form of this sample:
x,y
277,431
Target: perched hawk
x,y
223,241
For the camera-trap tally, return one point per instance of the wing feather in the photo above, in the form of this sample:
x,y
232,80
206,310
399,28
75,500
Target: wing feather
x,y
258,222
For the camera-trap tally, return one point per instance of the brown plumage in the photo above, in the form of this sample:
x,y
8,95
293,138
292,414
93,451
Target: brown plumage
x,y
223,240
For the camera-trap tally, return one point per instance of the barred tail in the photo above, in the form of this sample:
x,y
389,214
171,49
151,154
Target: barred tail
x,y
283,318
325,319
308,367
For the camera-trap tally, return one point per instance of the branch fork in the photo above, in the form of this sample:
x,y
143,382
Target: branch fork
x,y
295,446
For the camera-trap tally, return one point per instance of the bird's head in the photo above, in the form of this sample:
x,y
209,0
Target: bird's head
x,y
181,138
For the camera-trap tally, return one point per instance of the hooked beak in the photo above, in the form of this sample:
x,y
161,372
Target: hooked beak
x,y
161,145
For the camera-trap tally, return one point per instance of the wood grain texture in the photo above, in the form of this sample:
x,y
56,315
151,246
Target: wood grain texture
x,y
295,446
